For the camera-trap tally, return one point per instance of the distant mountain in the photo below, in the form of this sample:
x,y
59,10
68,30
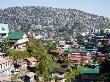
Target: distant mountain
x,y
31,17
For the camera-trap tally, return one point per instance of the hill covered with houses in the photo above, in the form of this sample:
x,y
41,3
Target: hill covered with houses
x,y
45,56
32,17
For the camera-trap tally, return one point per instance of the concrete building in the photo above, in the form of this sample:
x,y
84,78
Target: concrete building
x,y
5,67
18,40
4,30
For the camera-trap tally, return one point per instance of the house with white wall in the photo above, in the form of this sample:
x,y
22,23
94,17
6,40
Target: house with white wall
x,y
18,40
4,30
31,61
5,67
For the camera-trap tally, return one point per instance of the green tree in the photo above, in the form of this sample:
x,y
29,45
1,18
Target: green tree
x,y
35,47
50,46
45,62
80,39
72,74
102,32
13,53
104,77
7,47
46,65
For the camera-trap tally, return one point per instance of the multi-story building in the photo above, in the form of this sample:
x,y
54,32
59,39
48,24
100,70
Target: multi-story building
x,y
5,67
4,30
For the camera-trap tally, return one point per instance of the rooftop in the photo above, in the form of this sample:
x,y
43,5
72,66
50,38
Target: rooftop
x,y
77,58
31,59
15,35
90,70
76,51
57,51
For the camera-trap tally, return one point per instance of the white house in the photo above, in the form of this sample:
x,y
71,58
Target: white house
x,y
18,40
106,30
31,61
5,67
4,30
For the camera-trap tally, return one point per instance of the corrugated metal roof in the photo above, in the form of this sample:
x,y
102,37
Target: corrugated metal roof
x,y
15,35
90,70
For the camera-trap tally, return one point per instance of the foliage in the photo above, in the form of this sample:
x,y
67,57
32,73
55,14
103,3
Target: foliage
x,y
104,70
104,77
80,39
14,77
50,46
102,32
56,37
35,47
45,62
45,65
7,47
13,53
72,74
105,49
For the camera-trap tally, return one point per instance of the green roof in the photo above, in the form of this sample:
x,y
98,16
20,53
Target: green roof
x,y
15,35
75,50
71,50
90,70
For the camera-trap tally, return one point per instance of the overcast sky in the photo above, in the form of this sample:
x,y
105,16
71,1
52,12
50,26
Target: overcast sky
x,y
98,7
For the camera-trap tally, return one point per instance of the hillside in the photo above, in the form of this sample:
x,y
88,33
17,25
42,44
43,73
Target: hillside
x,y
24,18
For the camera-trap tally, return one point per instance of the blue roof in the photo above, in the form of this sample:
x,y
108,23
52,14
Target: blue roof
x,y
94,49
4,28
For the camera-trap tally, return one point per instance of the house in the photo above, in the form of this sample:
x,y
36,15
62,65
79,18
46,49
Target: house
x,y
31,61
29,77
89,74
61,43
5,67
38,36
59,74
56,53
75,60
93,30
106,30
18,40
71,52
4,30
84,33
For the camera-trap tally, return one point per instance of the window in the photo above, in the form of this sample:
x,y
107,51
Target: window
x,y
0,66
6,63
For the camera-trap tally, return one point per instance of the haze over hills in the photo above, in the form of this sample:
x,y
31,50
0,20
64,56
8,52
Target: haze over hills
x,y
25,18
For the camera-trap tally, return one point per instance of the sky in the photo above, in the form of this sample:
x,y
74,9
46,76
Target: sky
x,y
98,7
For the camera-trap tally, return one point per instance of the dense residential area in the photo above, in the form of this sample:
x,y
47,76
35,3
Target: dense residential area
x,y
33,17
48,56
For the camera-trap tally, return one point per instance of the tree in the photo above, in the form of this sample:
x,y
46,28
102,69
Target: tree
x,y
35,47
80,39
7,47
13,53
45,62
102,32
46,65
56,37
50,46
104,71
72,74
